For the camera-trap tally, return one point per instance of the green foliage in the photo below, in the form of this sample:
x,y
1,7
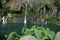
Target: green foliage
x,y
57,3
32,10
13,36
50,19
28,31
14,15
1,14
7,7
40,33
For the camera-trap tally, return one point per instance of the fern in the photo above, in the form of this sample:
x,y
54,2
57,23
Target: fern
x,y
40,33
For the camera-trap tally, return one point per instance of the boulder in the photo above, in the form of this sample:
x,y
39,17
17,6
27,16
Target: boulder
x,y
57,36
29,37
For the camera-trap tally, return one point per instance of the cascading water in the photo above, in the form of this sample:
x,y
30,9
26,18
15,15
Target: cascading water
x,y
4,21
25,19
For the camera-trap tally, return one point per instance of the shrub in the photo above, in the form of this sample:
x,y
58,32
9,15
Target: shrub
x,y
13,36
40,33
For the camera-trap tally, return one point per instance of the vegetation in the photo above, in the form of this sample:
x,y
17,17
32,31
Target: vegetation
x,y
40,33
35,10
13,36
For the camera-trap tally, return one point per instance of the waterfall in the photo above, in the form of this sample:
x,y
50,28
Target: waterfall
x,y
4,21
25,18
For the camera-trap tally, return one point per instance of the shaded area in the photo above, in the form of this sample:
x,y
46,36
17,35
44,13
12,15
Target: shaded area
x,y
2,37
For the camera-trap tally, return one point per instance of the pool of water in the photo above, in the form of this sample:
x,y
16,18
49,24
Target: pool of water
x,y
15,27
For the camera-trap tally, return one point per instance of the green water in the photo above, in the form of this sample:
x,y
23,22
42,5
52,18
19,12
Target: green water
x,y
15,27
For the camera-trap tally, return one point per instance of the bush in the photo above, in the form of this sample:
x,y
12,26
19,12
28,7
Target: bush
x,y
40,33
13,36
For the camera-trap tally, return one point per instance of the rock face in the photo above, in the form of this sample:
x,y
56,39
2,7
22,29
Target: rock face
x,y
28,38
57,36
15,4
